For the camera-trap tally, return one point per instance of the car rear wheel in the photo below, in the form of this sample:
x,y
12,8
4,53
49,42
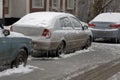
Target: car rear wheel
x,y
115,40
60,49
21,59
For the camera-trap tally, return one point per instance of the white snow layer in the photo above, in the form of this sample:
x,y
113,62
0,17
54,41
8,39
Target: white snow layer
x,y
76,53
21,69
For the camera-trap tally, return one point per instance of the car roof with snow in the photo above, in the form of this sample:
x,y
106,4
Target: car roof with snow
x,y
108,17
41,18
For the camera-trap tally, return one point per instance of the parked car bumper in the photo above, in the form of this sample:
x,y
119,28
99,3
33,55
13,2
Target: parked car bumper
x,y
42,49
47,45
105,33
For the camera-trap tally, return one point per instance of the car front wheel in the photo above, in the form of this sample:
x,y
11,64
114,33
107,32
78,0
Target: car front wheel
x,y
21,59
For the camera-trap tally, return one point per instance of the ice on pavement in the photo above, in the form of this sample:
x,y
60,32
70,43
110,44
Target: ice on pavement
x,y
21,69
115,77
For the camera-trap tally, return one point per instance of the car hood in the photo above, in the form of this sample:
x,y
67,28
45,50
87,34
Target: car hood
x,y
16,34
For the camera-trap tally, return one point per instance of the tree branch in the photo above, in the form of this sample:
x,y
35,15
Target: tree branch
x,y
106,4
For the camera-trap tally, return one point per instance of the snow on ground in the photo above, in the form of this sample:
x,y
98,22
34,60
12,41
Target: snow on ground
x,y
115,47
77,53
21,69
64,55
79,73
115,77
109,46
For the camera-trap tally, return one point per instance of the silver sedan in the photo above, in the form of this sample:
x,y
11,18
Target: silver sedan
x,y
106,26
54,33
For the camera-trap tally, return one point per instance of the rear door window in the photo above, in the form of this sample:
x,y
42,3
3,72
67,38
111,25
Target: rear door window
x,y
66,23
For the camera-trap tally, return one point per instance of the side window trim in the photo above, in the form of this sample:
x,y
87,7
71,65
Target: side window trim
x,y
77,21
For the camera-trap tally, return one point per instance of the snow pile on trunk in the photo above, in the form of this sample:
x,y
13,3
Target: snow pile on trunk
x,y
21,69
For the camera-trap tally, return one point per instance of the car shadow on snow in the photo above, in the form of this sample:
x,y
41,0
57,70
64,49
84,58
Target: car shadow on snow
x,y
106,41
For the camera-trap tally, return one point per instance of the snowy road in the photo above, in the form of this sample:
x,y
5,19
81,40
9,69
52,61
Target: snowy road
x,y
102,72
81,65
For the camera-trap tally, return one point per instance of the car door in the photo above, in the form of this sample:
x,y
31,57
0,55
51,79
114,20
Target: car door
x,y
69,35
81,35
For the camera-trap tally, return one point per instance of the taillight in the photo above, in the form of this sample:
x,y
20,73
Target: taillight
x,y
91,25
11,29
115,26
46,33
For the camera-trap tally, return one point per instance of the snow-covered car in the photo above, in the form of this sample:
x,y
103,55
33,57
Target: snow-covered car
x,y
53,33
106,26
14,48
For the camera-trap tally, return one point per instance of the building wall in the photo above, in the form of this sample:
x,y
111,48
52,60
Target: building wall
x,y
18,8
1,9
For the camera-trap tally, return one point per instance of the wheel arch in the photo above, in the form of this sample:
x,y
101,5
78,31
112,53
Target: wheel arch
x,y
16,52
25,48
91,37
64,43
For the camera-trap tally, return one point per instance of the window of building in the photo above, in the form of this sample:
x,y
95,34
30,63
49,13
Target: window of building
x,y
70,4
6,3
6,6
37,3
55,4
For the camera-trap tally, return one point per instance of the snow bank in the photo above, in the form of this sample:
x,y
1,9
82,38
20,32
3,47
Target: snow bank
x,y
63,55
76,53
21,69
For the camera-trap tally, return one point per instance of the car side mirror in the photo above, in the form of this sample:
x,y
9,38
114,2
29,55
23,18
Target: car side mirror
x,y
6,32
85,27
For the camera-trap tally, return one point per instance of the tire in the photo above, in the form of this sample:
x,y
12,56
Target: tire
x,y
115,40
88,43
60,49
118,41
21,59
